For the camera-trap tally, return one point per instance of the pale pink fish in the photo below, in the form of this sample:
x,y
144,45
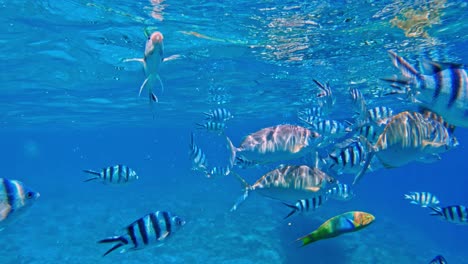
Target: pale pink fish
x,y
277,143
288,183
410,136
152,59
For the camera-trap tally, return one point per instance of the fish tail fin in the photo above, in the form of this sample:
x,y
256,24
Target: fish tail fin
x,y
93,173
366,165
244,196
307,239
232,149
293,207
436,210
407,70
120,239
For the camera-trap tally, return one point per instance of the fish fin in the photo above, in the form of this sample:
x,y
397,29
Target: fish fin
x,y
135,59
92,172
233,150
143,85
5,209
91,179
122,241
244,196
313,188
153,97
436,210
307,239
408,197
431,67
293,207
160,82
172,57
407,70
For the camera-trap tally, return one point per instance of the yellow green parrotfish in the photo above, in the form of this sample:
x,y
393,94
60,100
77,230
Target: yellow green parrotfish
x,y
338,225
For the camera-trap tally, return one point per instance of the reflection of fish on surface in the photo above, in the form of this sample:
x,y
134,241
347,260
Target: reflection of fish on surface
x,y
407,137
277,143
443,88
152,59
148,230
287,183
338,225
14,198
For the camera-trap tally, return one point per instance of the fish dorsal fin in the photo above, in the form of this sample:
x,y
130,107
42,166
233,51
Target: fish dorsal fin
x,y
432,67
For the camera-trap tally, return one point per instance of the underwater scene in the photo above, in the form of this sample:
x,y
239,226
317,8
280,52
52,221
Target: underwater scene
x,y
162,131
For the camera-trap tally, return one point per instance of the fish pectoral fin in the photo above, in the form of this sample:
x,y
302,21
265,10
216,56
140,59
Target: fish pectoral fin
x,y
430,158
134,59
428,143
172,57
4,210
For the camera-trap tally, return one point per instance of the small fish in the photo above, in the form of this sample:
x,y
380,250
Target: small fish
x,y
379,114
371,132
213,126
315,111
331,128
150,229
424,199
340,191
117,174
306,205
359,103
457,214
218,171
338,225
152,59
15,197
443,88
287,183
198,157
327,100
438,260
277,143
219,115
244,164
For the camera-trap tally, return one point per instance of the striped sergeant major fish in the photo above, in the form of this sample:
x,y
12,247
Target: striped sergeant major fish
x,y
359,103
213,126
442,89
218,171
150,229
118,174
306,205
331,128
15,197
341,191
439,259
219,115
310,113
326,98
197,156
349,156
379,114
457,214
424,199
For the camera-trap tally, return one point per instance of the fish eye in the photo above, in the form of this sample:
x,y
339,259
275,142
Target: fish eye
x,y
179,221
29,195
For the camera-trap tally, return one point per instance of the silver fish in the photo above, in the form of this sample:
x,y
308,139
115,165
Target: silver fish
x,y
15,197
118,174
457,214
150,229
424,199
287,183
277,143
443,89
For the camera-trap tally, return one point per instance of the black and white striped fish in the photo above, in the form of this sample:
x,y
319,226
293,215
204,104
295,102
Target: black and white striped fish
x,y
442,89
424,199
371,132
314,111
218,171
379,113
118,174
457,214
213,126
326,99
358,102
14,198
306,205
439,259
340,191
219,115
197,156
150,229
331,128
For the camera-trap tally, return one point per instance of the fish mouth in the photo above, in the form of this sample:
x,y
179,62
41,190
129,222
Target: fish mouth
x,y
157,37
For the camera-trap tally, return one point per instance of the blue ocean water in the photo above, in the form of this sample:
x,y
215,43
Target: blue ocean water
x,y
68,103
